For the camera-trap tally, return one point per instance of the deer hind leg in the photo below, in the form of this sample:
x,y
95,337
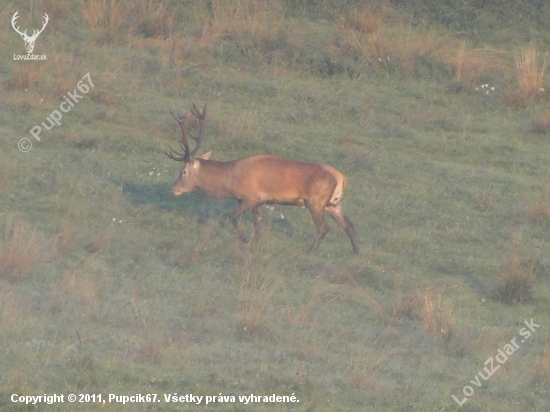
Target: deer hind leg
x,y
242,207
335,210
318,215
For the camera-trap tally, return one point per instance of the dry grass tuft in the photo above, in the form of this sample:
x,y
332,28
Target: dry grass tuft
x,y
13,309
410,48
356,294
385,48
6,176
81,363
362,373
365,28
469,64
117,18
540,210
64,66
81,286
238,127
20,248
542,370
101,240
367,21
484,199
153,19
66,240
151,348
516,278
541,125
516,282
323,296
437,316
106,15
26,77
256,20
405,306
135,299
256,290
530,70
207,237
103,13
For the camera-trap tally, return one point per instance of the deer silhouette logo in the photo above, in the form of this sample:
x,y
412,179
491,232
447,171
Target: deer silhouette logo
x,y
29,40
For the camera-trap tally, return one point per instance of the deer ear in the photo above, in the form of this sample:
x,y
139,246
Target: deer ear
x,y
206,156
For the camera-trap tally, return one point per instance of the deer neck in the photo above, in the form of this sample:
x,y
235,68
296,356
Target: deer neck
x,y
213,178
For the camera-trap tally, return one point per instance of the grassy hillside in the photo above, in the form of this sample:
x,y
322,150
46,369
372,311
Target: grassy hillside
x,y
438,114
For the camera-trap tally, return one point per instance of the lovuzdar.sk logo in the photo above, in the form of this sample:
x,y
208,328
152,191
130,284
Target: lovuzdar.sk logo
x,y
29,40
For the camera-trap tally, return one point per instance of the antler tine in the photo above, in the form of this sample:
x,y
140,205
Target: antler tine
x,y
178,118
181,156
183,141
187,155
173,154
198,114
200,117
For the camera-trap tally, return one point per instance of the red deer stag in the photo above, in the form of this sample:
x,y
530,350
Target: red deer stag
x,y
261,179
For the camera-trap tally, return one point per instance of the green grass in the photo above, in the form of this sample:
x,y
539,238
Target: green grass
x,y
109,284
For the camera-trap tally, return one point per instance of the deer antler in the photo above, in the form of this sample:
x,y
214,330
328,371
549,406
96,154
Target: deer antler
x,y
181,157
187,156
200,117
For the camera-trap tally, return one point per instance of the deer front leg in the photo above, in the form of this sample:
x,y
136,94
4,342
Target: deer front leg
x,y
242,207
257,219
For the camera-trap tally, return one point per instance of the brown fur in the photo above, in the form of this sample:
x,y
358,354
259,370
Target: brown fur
x,y
260,179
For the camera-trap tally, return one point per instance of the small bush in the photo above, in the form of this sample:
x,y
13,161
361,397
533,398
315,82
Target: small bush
x,y
516,282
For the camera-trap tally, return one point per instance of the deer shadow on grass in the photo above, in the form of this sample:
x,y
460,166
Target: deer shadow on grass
x,y
159,195
193,203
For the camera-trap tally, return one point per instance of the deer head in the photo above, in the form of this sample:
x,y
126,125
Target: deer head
x,y
29,40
